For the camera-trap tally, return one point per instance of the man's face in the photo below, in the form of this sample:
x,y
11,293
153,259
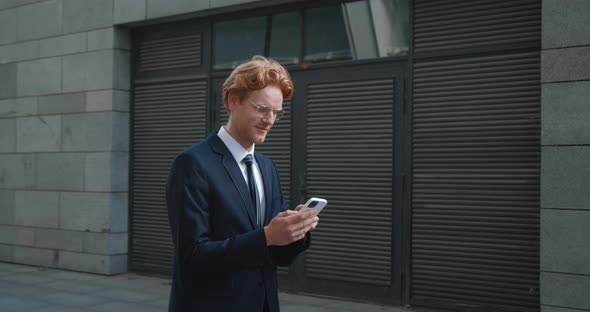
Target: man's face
x,y
248,126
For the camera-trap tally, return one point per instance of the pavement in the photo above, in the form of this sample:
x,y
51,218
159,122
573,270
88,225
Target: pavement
x,y
37,289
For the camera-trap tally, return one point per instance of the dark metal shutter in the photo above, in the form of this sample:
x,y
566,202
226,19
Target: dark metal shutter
x,y
169,113
170,53
476,155
454,25
349,161
168,117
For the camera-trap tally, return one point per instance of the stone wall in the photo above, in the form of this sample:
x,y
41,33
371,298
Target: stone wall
x,y
565,158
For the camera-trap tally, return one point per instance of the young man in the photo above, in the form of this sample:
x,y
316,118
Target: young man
x,y
230,225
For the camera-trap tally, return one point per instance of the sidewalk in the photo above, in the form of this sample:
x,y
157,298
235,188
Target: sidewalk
x,y
34,289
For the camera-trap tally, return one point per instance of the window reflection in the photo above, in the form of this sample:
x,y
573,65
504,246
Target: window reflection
x,y
356,30
348,31
285,38
238,40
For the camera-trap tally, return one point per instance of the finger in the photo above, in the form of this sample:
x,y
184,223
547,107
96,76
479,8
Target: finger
x,y
298,208
298,217
303,225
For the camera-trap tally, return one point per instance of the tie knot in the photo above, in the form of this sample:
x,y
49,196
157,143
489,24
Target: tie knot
x,y
247,160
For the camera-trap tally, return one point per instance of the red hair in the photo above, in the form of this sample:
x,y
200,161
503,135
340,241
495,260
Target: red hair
x,y
255,75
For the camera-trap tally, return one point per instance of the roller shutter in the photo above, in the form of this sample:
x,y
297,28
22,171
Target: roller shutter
x,y
476,155
349,161
169,114
168,117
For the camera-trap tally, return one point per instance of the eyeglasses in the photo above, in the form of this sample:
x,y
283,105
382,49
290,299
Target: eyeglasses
x,y
264,110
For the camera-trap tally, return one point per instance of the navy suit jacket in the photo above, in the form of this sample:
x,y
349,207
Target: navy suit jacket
x,y
221,261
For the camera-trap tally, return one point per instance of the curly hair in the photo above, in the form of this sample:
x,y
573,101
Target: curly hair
x,y
255,75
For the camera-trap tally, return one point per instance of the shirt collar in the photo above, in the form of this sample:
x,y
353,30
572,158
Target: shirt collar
x,y
237,150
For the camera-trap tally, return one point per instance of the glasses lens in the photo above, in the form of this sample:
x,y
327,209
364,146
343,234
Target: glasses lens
x,y
280,113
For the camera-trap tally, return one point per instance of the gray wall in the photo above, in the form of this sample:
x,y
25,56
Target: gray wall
x,y
565,158
64,128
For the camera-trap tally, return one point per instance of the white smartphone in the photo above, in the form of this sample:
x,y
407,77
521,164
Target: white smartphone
x,y
314,203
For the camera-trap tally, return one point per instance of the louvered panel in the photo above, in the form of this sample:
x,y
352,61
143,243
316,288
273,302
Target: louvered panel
x,y
170,53
475,199
168,117
452,25
349,161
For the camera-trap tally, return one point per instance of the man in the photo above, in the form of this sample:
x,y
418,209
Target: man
x,y
230,224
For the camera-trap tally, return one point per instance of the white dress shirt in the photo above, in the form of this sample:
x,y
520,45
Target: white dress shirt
x,y
239,152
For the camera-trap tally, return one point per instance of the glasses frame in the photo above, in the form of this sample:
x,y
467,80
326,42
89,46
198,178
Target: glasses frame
x,y
263,110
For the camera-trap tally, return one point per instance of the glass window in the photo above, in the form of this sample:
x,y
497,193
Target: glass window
x,y
356,30
285,38
325,35
238,40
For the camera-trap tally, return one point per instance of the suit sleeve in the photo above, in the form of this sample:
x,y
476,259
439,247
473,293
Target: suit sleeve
x,y
285,255
188,210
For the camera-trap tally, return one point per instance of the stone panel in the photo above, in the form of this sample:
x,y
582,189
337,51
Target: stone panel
x,y
7,207
102,264
34,208
7,135
7,234
38,134
24,236
565,113
567,64
18,107
87,15
68,44
119,213
106,172
61,171
566,23
39,20
105,243
35,256
565,290
130,11
6,253
17,171
108,38
8,80
223,3
39,77
8,26
120,131
84,211
107,100
88,71
59,239
565,176
19,51
565,246
62,103
157,8
87,132
122,73
6,4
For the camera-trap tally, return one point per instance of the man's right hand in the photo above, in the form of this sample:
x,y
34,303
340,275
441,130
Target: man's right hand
x,y
289,226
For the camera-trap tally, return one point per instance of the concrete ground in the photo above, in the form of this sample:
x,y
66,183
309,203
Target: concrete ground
x,y
35,289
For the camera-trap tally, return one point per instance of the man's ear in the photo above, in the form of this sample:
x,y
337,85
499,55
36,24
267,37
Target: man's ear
x,y
232,101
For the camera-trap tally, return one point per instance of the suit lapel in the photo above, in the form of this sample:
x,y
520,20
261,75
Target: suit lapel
x,y
266,178
235,174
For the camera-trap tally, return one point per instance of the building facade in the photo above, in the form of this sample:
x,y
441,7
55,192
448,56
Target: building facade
x,y
450,138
